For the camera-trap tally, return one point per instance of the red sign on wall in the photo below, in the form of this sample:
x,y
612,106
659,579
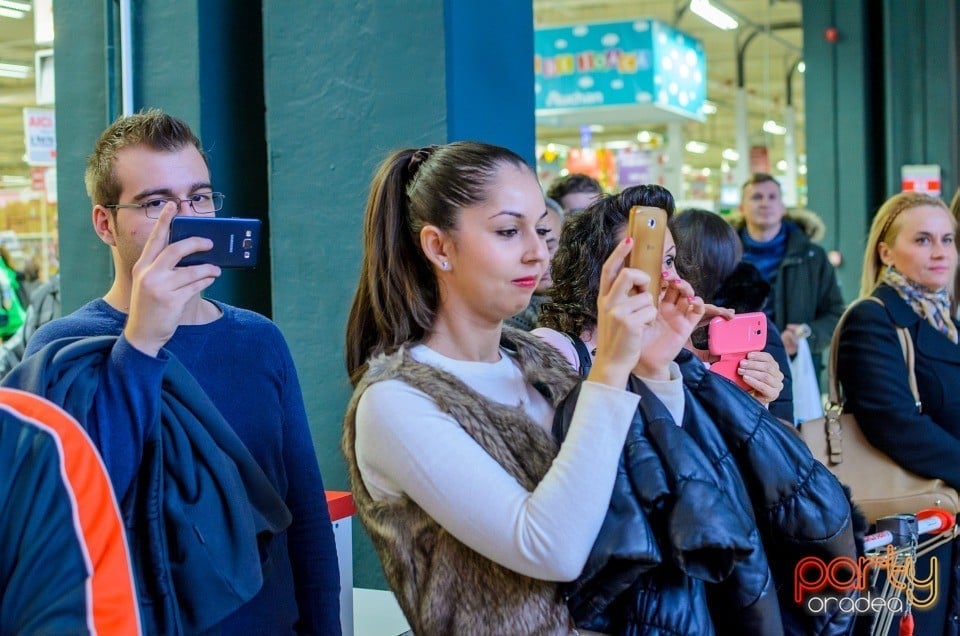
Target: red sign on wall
x,y
920,178
38,178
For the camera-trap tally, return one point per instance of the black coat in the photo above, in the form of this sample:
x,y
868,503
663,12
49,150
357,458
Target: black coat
x,y
873,375
735,480
926,441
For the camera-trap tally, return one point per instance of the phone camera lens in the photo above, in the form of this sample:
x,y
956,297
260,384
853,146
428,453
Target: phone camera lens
x,y
651,222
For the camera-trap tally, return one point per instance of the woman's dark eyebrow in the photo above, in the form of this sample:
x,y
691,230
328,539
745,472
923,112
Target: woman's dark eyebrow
x,y
517,215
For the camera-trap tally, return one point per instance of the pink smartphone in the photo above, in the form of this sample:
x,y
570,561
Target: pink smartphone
x,y
733,339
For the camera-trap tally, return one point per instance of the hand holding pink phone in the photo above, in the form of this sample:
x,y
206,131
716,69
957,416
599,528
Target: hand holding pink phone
x,y
733,339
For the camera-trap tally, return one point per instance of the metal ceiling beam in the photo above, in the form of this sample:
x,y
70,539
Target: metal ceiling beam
x,y
769,32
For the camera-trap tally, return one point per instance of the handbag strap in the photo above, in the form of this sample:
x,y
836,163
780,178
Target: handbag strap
x,y
906,344
583,354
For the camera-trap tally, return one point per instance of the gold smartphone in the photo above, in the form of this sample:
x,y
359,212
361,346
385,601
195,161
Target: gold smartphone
x,y
647,226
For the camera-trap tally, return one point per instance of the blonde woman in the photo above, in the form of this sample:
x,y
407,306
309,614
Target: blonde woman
x,y
909,265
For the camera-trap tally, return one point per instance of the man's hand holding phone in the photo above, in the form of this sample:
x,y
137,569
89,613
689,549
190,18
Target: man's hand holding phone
x,y
160,290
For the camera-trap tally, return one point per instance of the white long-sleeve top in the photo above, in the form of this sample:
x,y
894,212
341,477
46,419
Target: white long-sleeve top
x,y
406,446
670,392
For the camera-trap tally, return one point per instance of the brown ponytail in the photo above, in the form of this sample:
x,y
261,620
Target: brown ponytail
x,y
398,295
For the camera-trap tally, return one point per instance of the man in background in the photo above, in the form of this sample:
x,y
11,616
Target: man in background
x,y
805,298
574,191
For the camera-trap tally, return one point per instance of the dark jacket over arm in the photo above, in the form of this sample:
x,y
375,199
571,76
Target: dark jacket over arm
x,y
792,502
200,508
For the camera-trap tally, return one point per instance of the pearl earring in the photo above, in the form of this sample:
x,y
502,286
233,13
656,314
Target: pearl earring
x,y
444,265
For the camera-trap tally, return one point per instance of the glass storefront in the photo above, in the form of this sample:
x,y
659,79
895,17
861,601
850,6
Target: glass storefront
x,y
28,154
643,93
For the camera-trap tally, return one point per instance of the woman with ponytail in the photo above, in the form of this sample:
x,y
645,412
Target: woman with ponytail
x,y
474,511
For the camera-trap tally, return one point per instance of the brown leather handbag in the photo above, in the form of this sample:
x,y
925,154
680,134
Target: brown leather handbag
x,y
880,486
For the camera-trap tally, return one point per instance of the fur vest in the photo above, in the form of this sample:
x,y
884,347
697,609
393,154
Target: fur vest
x,y
442,586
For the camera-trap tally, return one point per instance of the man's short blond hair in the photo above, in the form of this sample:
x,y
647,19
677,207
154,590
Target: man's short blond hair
x,y
151,128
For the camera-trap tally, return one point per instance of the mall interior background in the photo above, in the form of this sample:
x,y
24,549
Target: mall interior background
x,y
298,101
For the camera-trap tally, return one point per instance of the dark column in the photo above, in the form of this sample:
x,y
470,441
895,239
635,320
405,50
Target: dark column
x,y
921,86
844,118
85,80
490,73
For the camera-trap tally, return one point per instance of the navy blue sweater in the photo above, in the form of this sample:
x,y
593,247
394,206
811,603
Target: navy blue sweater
x,y
244,365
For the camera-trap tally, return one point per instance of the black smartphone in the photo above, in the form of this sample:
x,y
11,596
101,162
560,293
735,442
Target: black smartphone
x,y
236,241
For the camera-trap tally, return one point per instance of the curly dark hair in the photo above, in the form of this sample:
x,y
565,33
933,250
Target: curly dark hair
x,y
586,241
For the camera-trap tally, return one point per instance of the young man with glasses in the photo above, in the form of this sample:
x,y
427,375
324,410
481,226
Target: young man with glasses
x,y
146,169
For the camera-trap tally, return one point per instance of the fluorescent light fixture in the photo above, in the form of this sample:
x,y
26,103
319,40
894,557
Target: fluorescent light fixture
x,y
696,147
15,70
708,108
11,13
802,67
730,154
774,128
16,6
11,179
713,15
596,128
619,144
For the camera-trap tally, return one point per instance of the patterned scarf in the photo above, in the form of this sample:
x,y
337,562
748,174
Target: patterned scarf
x,y
934,307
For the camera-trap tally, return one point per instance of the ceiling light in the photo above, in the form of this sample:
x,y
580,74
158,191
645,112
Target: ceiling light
x,y
644,136
782,165
730,154
14,70
708,108
11,13
713,15
16,6
619,144
774,128
802,67
696,147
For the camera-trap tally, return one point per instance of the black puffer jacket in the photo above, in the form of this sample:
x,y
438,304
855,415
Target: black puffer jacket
x,y
726,506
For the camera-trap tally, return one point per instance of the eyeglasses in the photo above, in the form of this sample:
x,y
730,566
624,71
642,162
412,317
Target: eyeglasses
x,y
201,203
